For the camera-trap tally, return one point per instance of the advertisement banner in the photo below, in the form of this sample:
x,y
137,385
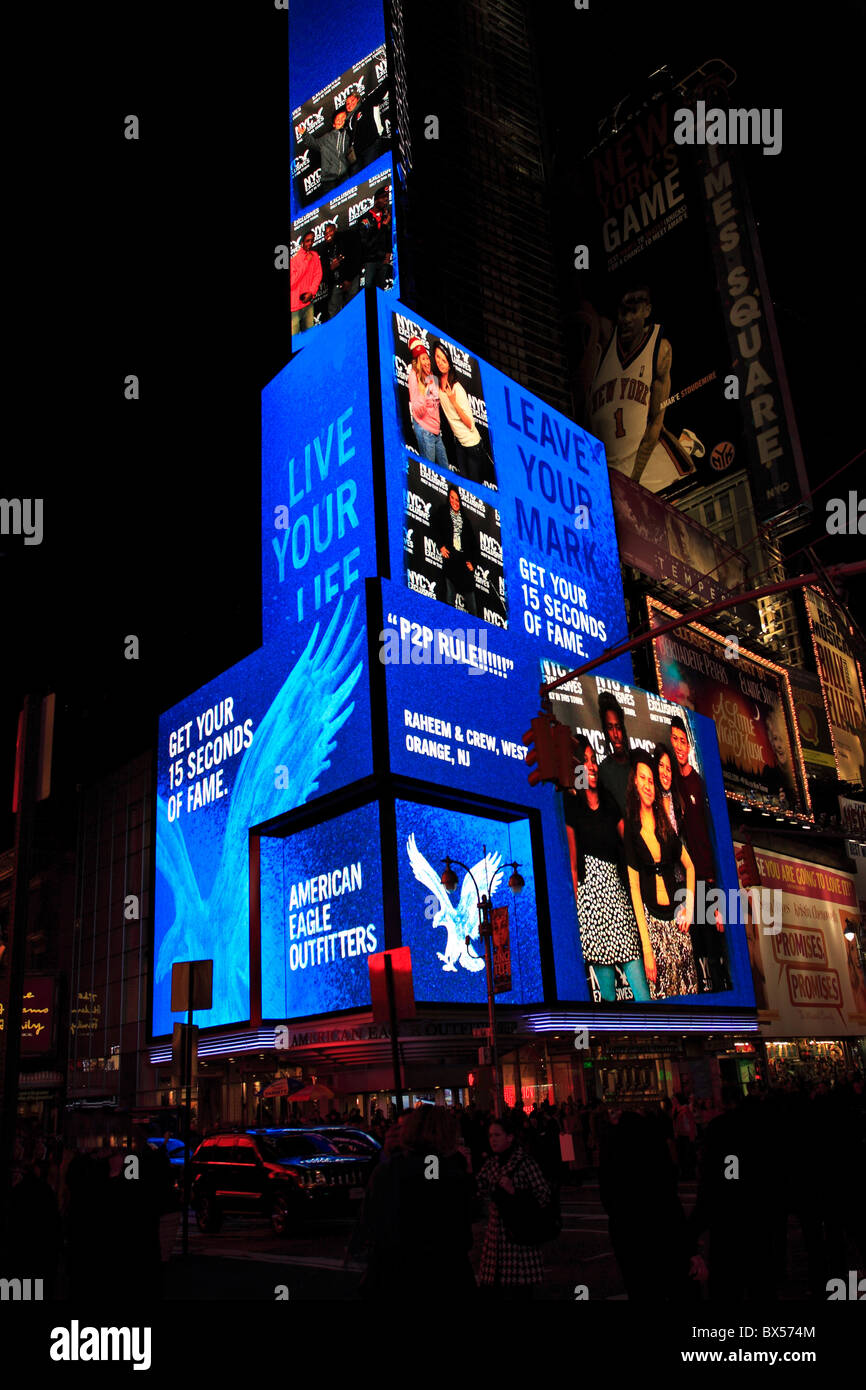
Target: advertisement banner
x,y
842,684
664,543
501,950
654,354
321,915
442,929
292,720
37,1015
808,978
647,767
816,744
749,700
679,374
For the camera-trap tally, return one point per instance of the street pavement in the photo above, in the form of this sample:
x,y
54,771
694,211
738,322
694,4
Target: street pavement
x,y
246,1261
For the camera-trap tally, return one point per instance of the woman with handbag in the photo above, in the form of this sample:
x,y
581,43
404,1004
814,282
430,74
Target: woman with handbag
x,y
521,1216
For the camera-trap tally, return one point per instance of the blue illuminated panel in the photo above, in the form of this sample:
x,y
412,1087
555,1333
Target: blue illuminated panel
x,y
340,96
292,721
544,585
318,536
435,924
321,914
647,722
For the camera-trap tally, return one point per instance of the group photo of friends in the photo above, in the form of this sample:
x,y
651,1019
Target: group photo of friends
x,y
338,134
442,405
336,253
639,836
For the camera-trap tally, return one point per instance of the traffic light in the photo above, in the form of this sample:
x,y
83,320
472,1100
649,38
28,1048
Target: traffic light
x,y
540,758
747,867
563,752
552,758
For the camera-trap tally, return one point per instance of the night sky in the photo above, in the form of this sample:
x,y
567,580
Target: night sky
x,y
156,257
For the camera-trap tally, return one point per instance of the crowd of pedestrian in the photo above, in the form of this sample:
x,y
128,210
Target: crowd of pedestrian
x,y
752,1166
81,1226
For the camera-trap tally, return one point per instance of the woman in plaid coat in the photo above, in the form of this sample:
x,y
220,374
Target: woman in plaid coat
x,y
508,1269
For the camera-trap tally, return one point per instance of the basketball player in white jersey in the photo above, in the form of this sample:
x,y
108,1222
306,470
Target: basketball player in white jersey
x,y
631,381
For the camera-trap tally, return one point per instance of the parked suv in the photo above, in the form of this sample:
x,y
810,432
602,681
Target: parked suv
x,y
349,1141
286,1174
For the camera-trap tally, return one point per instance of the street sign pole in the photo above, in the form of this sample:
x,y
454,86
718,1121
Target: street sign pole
x,y
392,1012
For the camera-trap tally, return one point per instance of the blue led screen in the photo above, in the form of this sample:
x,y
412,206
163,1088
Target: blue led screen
x,y
321,915
435,923
348,229
339,94
291,721
462,649
709,962
318,538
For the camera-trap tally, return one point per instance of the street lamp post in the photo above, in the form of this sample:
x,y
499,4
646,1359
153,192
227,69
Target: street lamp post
x,y
485,931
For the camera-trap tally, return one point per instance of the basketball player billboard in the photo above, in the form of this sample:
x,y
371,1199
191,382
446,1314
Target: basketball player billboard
x,y
679,373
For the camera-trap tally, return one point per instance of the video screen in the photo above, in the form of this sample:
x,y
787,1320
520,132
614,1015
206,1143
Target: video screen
x,y
645,837
440,399
338,131
321,915
441,927
453,545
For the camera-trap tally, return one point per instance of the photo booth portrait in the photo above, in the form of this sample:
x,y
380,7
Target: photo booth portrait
x,y
440,400
341,130
452,542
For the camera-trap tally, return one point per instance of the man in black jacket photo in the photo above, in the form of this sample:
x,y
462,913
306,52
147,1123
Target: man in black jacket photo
x,y
457,541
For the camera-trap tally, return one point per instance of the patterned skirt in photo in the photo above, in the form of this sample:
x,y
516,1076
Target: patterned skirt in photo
x,y
675,959
608,930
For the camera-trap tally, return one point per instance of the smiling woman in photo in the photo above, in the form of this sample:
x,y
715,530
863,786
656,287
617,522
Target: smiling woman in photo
x,y
424,405
652,851
608,930
454,404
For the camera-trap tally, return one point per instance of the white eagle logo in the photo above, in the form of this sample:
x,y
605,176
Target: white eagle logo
x,y
460,921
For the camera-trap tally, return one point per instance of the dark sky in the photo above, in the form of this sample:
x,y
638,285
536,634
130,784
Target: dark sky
x,y
156,257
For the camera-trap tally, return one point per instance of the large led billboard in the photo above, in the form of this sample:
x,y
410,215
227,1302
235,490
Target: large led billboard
x,y
321,915
650,860
441,928
342,237
497,569
292,721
